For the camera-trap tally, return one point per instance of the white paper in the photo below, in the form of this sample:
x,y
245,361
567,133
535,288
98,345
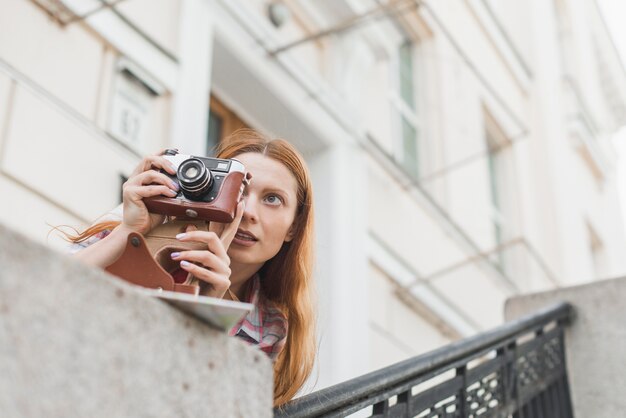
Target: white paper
x,y
219,313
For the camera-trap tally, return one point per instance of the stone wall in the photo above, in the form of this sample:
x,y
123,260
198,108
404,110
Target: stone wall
x,y
75,341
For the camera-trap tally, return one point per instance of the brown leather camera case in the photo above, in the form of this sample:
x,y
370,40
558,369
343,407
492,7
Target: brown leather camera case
x,y
147,262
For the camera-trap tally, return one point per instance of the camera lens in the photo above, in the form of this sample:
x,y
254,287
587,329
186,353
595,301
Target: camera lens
x,y
195,179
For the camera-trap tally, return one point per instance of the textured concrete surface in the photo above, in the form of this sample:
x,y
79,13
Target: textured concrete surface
x,y
595,343
76,342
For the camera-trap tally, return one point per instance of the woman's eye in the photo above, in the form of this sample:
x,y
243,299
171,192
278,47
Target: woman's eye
x,y
273,199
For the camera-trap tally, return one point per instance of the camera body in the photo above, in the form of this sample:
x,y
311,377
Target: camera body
x,y
210,188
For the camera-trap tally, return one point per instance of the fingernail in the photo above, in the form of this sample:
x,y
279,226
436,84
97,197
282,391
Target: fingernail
x,y
175,255
181,236
185,263
173,192
175,185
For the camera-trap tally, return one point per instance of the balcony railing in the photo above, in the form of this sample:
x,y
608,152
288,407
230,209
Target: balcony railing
x,y
517,369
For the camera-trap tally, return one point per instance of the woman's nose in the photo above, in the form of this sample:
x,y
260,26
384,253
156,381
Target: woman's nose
x,y
250,210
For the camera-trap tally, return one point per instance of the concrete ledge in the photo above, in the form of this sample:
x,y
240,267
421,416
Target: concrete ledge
x,y
77,342
595,343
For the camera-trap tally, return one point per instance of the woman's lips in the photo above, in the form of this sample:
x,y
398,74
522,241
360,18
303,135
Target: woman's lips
x,y
244,238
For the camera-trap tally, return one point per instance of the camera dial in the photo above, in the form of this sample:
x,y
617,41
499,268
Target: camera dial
x,y
194,177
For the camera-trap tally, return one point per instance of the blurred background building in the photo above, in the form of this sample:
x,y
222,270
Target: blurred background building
x,y
459,148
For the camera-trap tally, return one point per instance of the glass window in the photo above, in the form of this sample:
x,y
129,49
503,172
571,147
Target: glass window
x,y
407,88
493,179
496,155
223,121
495,196
405,109
215,132
409,147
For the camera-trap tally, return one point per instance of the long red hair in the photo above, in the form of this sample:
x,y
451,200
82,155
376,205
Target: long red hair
x,y
287,277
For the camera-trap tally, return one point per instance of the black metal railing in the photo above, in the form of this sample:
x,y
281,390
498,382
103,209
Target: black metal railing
x,y
515,370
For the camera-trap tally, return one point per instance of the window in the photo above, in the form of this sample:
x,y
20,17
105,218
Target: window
x,y
494,160
405,109
405,54
216,127
499,162
222,122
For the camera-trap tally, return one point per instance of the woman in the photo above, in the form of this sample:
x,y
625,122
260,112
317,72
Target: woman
x,y
263,257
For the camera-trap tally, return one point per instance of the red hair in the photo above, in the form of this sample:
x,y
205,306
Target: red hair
x,y
287,277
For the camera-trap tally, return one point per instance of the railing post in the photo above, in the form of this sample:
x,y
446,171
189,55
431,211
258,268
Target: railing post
x,y
506,354
380,409
462,394
403,403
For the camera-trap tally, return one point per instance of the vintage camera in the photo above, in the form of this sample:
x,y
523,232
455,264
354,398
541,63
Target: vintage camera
x,y
210,188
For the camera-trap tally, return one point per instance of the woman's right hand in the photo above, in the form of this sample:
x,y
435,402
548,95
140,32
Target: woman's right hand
x,y
146,181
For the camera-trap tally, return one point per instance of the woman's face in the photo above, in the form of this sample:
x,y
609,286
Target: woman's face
x,y
271,202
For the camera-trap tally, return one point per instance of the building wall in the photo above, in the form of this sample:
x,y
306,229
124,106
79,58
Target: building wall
x,y
406,260
56,97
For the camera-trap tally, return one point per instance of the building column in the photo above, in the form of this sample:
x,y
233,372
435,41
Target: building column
x,y
340,184
190,104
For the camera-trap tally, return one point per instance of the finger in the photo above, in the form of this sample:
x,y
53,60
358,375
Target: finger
x,y
217,228
134,192
206,258
231,229
150,177
143,165
218,281
213,242
163,163
154,161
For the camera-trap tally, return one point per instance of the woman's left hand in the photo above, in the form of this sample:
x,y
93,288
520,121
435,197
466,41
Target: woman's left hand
x,y
212,265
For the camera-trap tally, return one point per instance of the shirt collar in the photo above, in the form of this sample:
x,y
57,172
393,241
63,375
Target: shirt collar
x,y
252,323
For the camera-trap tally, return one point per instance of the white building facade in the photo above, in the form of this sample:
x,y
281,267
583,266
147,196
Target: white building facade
x,y
460,149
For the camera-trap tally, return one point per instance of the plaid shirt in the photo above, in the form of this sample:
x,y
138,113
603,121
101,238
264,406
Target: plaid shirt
x,y
77,246
265,326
